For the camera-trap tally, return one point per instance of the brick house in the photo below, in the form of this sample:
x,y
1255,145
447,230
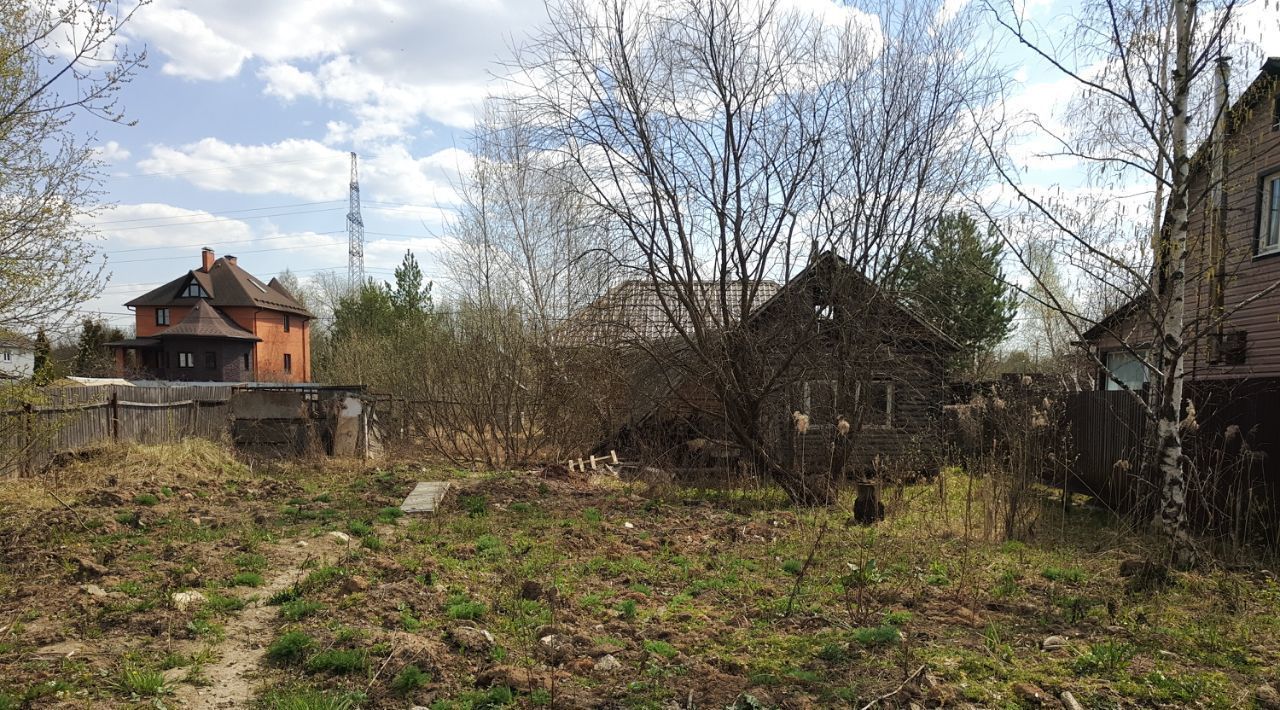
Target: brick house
x,y
218,323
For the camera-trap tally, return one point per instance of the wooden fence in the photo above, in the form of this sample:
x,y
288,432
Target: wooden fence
x,y
1108,431
1233,455
70,419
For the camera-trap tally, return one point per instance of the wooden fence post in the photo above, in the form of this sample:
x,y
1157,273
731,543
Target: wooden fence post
x,y
115,417
28,438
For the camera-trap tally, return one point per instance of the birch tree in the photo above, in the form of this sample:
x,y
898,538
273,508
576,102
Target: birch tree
x,y
58,60
1145,73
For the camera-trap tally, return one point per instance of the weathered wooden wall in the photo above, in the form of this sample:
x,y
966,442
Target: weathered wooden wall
x,y
69,419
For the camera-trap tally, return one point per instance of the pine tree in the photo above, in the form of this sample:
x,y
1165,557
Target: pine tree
x,y
957,282
368,312
410,297
42,371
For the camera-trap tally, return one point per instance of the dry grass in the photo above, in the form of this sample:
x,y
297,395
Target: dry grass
x,y
126,465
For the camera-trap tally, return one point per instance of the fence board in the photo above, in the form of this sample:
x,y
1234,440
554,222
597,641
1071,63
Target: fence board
x,y
1108,429
71,419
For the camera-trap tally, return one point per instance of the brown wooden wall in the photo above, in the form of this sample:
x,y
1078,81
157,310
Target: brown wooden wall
x,y
1253,150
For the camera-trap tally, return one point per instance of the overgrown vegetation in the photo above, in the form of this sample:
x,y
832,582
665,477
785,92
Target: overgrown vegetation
x,y
684,591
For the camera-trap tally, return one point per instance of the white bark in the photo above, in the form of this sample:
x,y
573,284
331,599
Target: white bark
x,y
1169,456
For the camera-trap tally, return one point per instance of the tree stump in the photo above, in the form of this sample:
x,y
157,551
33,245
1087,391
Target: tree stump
x,y
867,508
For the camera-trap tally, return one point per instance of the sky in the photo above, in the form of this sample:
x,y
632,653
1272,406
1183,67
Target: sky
x,y
248,110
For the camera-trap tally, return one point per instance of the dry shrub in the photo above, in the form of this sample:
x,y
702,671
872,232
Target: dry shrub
x,y
1024,446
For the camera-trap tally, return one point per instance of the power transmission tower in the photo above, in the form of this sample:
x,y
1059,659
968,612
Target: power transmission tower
x,y
355,233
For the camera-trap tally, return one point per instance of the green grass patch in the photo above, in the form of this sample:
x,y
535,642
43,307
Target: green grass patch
x,y
409,679
1073,575
290,647
661,648
338,661
247,579
139,681
299,609
461,606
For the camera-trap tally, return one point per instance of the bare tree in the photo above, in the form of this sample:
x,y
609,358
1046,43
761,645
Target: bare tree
x,y
1143,70
730,142
57,60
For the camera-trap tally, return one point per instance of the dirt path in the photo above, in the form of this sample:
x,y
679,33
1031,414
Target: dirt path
x,y
232,677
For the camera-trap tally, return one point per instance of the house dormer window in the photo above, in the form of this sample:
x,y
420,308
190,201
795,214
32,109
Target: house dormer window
x,y
194,290
1269,222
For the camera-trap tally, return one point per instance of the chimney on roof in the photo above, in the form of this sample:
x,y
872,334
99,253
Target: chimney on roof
x,y
230,259
206,259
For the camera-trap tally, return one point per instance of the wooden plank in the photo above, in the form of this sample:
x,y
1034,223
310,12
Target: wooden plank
x,y
425,497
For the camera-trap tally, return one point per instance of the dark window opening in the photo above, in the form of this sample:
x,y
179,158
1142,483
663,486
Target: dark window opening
x,y
1275,114
286,323
211,361
162,316
1229,348
288,362
186,360
194,290
246,362
818,400
877,404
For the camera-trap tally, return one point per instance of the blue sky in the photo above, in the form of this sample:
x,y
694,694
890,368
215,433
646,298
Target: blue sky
x,y
248,109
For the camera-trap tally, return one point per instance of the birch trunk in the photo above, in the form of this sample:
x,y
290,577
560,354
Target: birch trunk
x,y
1169,456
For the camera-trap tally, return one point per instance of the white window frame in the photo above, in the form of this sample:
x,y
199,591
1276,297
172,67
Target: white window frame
x,y
1269,215
8,356
186,360
1110,381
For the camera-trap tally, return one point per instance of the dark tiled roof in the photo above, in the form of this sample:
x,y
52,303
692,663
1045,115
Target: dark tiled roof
x,y
637,311
204,321
227,285
134,343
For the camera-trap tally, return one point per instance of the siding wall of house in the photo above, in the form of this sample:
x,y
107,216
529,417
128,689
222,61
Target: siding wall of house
x,y
1252,152
16,362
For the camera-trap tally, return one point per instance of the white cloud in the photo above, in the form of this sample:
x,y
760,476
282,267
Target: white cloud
x,y
288,82
391,62
158,224
112,152
193,49
313,171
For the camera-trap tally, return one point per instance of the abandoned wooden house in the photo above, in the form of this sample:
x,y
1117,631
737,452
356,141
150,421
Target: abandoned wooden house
x,y
831,373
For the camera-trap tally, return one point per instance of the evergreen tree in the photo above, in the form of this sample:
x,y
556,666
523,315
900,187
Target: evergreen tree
x,y
43,366
93,357
365,313
957,282
411,297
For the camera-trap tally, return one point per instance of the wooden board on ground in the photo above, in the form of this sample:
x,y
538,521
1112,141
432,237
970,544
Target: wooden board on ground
x,y
425,497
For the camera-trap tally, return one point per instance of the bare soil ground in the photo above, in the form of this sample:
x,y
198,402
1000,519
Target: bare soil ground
x,y
315,591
